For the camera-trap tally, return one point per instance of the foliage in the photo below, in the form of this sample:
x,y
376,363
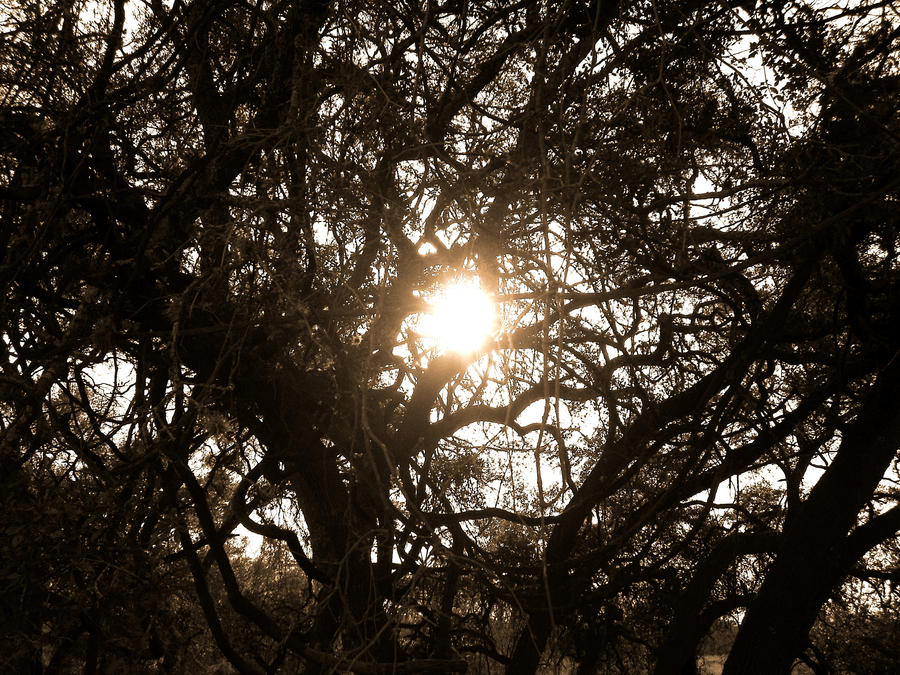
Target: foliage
x,y
222,224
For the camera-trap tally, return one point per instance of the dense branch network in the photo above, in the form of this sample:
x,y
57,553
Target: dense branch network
x,y
222,222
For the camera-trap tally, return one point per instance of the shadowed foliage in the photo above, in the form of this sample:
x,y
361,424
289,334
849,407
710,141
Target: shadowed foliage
x,y
221,224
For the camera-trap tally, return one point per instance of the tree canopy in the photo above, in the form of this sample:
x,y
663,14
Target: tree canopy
x,y
224,226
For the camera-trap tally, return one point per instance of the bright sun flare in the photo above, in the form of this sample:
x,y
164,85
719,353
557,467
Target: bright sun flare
x,y
462,317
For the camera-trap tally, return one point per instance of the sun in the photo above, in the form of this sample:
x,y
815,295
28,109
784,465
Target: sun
x,y
460,319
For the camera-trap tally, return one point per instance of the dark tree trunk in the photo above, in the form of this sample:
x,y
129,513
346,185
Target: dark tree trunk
x,y
812,561
678,653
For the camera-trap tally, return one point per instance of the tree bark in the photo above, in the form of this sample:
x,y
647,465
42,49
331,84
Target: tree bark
x,y
811,561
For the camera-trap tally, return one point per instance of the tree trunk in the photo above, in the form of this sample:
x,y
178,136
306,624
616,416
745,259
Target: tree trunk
x,y
811,561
